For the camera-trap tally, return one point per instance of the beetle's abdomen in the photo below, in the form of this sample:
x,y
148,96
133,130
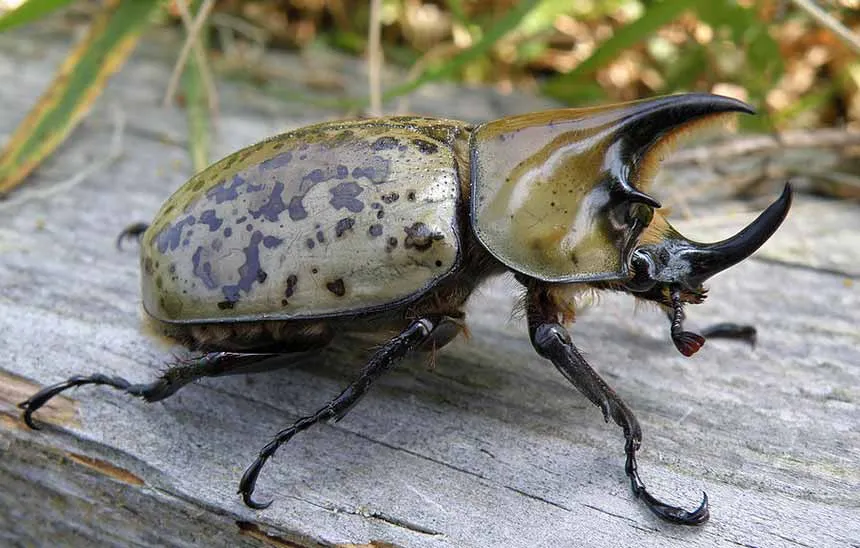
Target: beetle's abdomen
x,y
331,219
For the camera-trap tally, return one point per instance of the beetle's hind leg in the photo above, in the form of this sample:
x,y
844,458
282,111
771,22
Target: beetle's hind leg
x,y
175,377
552,341
417,336
131,232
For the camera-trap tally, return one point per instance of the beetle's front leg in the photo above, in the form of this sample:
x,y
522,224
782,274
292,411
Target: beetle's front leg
x,y
552,341
412,338
688,343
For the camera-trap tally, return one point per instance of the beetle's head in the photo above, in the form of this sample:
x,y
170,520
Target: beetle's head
x,y
665,261
561,196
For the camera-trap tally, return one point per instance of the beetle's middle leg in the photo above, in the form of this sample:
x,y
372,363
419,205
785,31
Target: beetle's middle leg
x,y
552,341
417,336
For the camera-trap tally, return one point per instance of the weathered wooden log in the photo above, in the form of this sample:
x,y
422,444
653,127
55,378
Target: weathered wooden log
x,y
489,447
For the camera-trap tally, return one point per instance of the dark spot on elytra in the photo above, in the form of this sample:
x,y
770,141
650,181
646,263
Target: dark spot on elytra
x,y
297,209
376,170
315,270
203,268
343,225
391,244
329,172
344,196
250,270
375,231
278,161
185,242
225,305
271,242
420,237
390,198
230,161
380,214
261,276
249,227
222,193
384,143
209,218
228,232
438,262
425,147
410,195
310,243
172,268
159,282
336,287
241,219
171,235
441,133
274,206
320,236
375,205
292,282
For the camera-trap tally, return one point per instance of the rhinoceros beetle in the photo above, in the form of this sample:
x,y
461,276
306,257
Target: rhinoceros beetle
x,y
389,225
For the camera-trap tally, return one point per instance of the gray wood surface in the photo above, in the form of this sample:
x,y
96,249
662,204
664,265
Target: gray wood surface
x,y
491,447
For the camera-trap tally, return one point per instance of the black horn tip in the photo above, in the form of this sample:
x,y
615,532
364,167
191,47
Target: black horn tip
x,y
787,195
715,103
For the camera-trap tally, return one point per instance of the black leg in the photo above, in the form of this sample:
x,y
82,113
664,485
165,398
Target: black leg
x,y
174,378
737,331
687,342
382,360
552,341
131,232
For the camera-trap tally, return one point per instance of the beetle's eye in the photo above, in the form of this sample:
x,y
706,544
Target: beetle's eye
x,y
641,265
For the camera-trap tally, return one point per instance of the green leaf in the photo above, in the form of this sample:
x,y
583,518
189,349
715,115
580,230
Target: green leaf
x,y
683,73
29,11
451,66
110,39
763,63
657,14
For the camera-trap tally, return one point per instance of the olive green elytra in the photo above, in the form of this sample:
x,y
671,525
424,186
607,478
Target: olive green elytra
x,y
337,217
387,226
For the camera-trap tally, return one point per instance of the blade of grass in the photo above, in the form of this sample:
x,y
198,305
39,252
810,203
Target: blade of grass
x,y
80,80
30,11
657,15
197,87
197,110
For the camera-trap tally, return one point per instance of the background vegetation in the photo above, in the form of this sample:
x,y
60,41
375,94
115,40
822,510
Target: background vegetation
x,y
798,63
